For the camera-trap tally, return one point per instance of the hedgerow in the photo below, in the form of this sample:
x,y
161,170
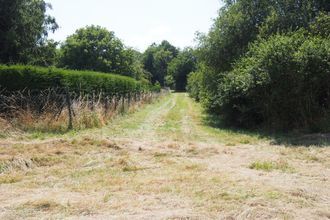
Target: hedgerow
x,y
266,64
19,77
52,99
283,82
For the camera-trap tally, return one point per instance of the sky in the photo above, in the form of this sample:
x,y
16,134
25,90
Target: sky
x,y
138,23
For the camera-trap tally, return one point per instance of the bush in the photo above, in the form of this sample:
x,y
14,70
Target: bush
x,y
15,78
283,82
203,87
193,85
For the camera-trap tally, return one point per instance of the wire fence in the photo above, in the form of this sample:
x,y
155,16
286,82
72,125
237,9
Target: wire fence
x,y
57,102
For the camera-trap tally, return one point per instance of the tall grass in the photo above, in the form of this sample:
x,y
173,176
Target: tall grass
x,y
48,111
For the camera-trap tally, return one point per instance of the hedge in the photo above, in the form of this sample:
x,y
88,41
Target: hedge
x,y
283,82
19,77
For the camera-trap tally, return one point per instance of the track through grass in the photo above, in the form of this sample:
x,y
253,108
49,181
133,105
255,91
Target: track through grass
x,y
161,162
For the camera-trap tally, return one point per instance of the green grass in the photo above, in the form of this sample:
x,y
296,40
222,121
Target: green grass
x,y
271,165
172,120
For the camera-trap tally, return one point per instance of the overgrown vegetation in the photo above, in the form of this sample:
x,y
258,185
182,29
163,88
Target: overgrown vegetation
x,y
49,99
56,111
266,63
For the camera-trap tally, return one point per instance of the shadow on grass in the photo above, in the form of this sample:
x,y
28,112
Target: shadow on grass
x,y
293,139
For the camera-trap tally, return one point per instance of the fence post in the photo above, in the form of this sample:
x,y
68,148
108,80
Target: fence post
x,y
106,105
69,105
128,100
123,103
116,102
92,105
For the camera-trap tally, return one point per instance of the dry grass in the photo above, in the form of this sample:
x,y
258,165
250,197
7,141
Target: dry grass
x,y
162,163
86,114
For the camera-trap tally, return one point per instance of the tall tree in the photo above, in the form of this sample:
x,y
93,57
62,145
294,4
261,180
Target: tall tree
x,y
259,56
179,69
240,22
24,27
96,48
156,60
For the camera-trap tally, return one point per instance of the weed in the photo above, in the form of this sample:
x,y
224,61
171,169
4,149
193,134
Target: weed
x,y
271,165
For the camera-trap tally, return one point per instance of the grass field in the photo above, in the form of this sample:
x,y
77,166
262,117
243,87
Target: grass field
x,y
162,162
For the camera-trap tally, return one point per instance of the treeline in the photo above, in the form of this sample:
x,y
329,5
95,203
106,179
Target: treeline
x,y
266,64
168,65
24,30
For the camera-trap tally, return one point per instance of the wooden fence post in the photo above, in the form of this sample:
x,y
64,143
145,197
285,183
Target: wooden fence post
x,y
106,105
69,105
123,103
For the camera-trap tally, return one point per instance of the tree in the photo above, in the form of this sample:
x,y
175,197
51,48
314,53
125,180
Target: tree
x,y
179,69
95,48
156,59
46,54
24,26
138,71
260,64
241,22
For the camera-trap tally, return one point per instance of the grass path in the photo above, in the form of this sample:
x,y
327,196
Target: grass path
x,y
161,162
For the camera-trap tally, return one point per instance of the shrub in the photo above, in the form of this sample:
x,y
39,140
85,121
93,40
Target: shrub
x,y
321,25
203,87
193,85
283,82
14,78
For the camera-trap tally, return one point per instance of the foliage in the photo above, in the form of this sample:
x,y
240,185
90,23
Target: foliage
x,y
179,68
230,34
241,22
14,78
46,54
139,73
156,60
282,81
291,15
23,31
321,26
266,63
95,48
194,85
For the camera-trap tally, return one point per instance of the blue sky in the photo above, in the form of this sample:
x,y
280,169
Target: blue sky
x,y
137,22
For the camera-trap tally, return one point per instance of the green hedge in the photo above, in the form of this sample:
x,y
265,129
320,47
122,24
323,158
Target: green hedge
x,y
282,83
18,77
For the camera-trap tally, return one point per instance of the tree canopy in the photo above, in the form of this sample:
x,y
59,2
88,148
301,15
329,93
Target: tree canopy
x,y
156,60
179,69
96,48
266,62
24,27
